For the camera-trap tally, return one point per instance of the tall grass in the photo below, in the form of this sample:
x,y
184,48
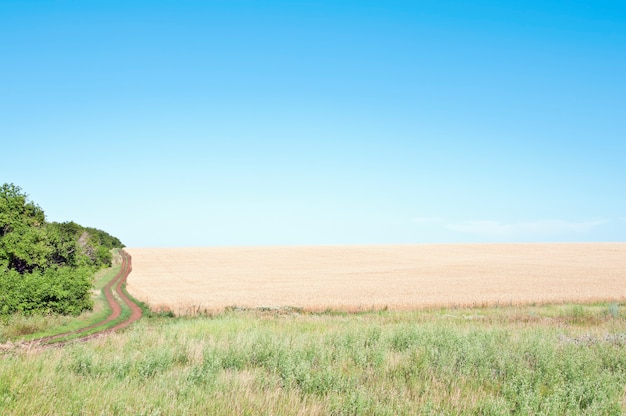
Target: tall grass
x,y
495,361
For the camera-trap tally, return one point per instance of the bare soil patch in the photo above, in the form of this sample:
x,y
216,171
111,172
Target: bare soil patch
x,y
192,280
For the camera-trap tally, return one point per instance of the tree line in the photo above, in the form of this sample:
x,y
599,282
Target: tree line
x,y
46,267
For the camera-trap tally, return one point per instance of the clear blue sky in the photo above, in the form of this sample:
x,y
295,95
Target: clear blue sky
x,y
182,123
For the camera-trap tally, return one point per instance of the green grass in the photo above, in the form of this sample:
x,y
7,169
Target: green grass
x,y
554,359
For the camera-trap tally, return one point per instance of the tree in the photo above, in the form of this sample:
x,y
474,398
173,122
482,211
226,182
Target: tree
x,y
23,245
17,211
63,237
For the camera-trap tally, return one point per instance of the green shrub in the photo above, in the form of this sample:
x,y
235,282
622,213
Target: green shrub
x,y
56,291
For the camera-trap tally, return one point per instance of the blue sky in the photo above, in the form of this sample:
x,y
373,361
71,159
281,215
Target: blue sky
x,y
182,123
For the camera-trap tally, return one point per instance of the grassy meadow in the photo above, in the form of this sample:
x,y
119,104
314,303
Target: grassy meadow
x,y
551,359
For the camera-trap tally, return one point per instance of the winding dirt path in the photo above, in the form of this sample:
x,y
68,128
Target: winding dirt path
x,y
134,308
114,304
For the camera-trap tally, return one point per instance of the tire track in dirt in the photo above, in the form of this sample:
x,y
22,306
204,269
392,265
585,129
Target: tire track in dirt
x,y
114,304
135,310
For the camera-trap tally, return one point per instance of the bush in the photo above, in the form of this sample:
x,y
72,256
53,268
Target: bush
x,y
55,291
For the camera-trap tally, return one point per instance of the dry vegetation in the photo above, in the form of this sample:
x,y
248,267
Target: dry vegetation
x,y
192,280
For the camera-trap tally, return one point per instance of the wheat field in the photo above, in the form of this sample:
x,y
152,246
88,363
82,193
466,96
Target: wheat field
x,y
353,278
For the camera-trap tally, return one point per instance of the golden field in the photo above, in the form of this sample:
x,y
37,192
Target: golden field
x,y
352,278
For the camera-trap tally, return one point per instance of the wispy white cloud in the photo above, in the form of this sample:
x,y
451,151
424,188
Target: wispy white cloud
x,y
521,229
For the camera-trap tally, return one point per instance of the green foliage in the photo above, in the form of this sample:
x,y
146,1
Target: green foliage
x,y
16,211
57,290
75,245
46,267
